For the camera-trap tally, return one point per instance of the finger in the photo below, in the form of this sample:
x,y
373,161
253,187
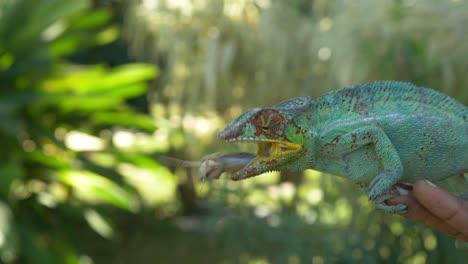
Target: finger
x,y
443,205
418,213
463,237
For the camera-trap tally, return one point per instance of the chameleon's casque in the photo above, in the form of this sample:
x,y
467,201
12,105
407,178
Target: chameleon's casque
x,y
376,134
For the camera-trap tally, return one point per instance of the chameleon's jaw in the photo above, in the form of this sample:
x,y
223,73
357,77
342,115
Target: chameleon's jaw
x,y
269,155
271,149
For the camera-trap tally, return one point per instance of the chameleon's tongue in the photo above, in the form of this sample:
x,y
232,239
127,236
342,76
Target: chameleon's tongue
x,y
213,165
265,148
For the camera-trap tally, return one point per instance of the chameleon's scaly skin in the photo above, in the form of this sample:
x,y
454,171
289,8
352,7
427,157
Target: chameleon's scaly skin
x,y
376,134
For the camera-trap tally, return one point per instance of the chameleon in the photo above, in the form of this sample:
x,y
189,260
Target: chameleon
x,y
378,134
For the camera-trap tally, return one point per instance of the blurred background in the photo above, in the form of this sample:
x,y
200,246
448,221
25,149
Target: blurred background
x,y
94,93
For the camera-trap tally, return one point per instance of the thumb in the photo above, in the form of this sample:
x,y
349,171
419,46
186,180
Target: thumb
x,y
444,205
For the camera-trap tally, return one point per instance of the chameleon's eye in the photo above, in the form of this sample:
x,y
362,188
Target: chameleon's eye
x,y
268,121
270,126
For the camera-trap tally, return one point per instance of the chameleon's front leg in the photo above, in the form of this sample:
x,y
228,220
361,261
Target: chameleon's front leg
x,y
382,185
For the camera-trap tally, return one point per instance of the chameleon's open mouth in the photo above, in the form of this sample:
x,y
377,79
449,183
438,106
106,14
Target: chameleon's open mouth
x,y
269,155
271,148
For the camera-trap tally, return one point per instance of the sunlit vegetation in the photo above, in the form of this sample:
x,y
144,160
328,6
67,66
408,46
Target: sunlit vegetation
x,y
95,93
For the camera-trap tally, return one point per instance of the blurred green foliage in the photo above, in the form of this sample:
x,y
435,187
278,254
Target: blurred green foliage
x,y
78,178
55,116
226,55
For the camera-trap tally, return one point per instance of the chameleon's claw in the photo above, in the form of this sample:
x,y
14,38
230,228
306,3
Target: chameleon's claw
x,y
372,198
373,195
382,186
379,202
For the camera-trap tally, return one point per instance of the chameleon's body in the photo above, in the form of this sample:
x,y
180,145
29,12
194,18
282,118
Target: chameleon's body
x,y
376,134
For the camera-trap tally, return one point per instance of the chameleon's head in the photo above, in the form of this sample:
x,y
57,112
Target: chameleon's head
x,y
278,131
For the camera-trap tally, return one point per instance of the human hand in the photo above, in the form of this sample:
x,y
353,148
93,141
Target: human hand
x,y
436,208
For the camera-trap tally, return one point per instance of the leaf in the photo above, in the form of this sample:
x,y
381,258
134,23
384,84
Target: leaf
x,y
88,103
133,120
130,73
97,88
98,80
50,161
65,45
99,224
90,19
36,17
139,160
154,182
107,36
99,100
94,188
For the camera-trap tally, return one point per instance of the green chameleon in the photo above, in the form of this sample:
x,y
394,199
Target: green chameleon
x,y
378,135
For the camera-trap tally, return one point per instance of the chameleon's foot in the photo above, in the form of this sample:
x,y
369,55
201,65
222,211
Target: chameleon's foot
x,y
380,186
392,209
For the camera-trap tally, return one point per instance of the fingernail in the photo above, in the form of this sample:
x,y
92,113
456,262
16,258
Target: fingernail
x,y
430,184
